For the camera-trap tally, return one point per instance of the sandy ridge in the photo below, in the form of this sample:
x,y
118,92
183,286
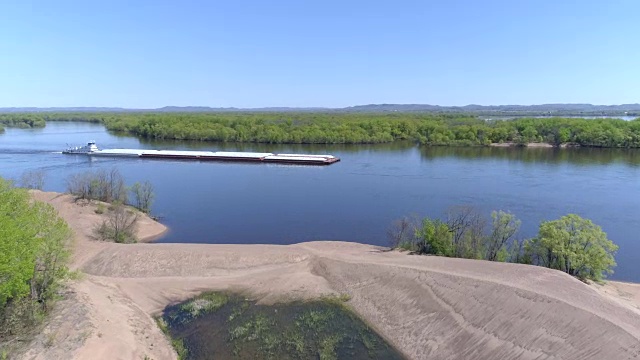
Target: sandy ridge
x,y
428,307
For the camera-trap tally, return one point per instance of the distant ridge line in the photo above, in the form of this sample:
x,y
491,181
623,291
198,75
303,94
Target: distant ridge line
x,y
472,108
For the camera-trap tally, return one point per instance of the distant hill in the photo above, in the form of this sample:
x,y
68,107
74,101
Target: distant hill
x,y
507,109
61,109
495,110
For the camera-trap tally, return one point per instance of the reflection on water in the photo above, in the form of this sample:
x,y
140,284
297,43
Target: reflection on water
x,y
581,156
357,198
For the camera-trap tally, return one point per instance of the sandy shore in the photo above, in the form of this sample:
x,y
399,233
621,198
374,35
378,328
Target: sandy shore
x,y
428,307
529,145
534,145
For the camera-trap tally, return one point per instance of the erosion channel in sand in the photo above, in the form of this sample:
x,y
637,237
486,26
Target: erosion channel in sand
x,y
427,307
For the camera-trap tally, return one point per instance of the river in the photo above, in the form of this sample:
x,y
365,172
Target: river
x,y
356,199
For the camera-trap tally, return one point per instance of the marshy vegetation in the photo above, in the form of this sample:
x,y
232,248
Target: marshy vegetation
x,y
227,326
354,128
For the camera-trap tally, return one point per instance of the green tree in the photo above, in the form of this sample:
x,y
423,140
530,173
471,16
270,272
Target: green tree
x,y
504,226
17,255
143,196
574,245
435,238
33,257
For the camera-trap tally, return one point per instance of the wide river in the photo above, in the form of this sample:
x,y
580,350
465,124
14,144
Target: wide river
x,y
356,199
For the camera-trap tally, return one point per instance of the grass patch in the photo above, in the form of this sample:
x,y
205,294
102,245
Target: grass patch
x,y
205,303
328,347
100,209
162,324
179,347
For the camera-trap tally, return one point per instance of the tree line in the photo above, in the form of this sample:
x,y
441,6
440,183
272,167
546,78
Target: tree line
x,y
354,128
27,120
570,244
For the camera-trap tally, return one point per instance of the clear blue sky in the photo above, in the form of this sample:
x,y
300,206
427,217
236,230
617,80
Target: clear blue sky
x,y
145,54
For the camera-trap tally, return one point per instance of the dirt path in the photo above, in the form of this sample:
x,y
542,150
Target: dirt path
x,y
429,307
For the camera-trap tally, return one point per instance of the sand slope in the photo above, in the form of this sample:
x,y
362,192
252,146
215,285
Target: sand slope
x,y
429,307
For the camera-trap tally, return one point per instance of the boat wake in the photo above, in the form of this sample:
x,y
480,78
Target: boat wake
x,y
26,152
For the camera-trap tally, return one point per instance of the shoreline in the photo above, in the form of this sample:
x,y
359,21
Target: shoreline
x,y
540,145
426,307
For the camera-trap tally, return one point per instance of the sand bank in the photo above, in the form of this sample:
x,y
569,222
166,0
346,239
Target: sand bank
x,y
535,145
428,307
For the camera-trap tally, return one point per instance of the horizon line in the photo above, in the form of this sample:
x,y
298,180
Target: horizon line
x,y
313,107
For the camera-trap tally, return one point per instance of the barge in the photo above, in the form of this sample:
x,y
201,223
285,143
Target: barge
x,y
91,149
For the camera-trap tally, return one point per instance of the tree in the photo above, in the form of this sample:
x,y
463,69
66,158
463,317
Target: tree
x,y
574,245
435,238
504,226
107,186
467,228
120,225
32,179
52,256
79,185
402,233
33,257
143,196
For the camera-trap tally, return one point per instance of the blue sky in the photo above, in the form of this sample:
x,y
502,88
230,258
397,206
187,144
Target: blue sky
x,y
145,54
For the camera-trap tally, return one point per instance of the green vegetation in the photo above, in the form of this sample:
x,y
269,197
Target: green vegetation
x,y
571,244
205,303
356,128
33,258
119,226
109,186
143,196
24,121
181,350
232,327
101,185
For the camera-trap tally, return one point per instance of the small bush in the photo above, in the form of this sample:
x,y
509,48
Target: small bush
x,y
182,351
120,225
100,209
205,303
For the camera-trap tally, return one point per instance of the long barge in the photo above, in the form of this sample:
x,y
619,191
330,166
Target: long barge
x,y
91,149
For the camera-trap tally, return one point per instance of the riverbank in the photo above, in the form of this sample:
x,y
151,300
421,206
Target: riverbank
x,y
458,129
428,307
536,145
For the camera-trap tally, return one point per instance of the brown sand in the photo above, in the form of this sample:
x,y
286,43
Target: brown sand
x,y
428,307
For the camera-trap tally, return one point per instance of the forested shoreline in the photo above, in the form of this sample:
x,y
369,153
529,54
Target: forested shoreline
x,y
350,128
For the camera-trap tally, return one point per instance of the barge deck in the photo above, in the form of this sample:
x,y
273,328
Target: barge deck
x,y
304,159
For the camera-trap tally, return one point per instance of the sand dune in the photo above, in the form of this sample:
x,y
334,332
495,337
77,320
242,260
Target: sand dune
x,y
428,307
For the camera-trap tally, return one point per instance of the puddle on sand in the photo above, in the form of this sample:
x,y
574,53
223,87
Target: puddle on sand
x,y
226,326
